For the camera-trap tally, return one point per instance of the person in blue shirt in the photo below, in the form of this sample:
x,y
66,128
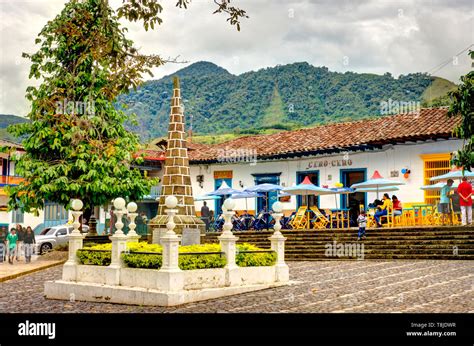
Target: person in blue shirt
x,y
444,201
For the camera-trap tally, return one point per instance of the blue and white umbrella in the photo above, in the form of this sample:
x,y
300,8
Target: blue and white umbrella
x,y
380,189
307,188
246,195
455,174
264,188
223,190
206,198
377,182
438,186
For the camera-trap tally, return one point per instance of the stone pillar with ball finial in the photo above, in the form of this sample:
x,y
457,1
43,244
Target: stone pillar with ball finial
x,y
118,239
277,241
227,241
132,235
172,274
75,242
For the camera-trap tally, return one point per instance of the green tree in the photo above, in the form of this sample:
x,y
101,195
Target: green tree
x,y
463,105
75,142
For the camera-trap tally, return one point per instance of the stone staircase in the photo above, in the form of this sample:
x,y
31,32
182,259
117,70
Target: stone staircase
x,y
444,243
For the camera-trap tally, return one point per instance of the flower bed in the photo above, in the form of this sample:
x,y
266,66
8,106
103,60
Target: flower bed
x,y
144,255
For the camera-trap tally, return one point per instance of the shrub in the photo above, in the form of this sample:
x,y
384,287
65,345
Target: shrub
x,y
185,262
253,259
133,260
98,258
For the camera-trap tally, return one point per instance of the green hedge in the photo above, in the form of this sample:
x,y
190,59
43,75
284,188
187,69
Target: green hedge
x,y
97,258
185,262
253,259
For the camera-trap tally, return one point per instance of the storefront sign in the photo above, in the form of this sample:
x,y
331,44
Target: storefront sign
x,y
222,174
329,163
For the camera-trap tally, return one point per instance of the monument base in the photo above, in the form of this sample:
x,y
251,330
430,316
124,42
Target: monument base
x,y
151,287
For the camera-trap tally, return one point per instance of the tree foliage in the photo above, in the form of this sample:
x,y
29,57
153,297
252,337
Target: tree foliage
x,y
463,105
299,94
81,149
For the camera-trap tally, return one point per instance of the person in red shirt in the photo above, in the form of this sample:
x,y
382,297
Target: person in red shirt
x,y
465,201
397,206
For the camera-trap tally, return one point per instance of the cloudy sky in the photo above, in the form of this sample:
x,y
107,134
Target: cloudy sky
x,y
396,36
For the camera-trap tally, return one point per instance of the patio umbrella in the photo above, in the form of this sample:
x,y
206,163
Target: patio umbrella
x,y
376,181
206,198
305,188
264,188
437,186
223,190
380,189
245,195
343,191
454,174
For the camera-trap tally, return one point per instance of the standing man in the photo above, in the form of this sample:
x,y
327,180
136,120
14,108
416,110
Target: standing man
x,y
444,202
465,201
20,232
3,242
29,241
205,215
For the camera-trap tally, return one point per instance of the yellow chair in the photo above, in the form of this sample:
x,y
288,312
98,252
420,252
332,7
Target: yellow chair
x,y
408,217
370,218
388,217
300,221
320,221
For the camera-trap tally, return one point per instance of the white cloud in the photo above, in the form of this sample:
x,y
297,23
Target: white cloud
x,y
397,36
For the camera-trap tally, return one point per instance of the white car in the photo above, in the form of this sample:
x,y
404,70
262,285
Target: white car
x,y
57,235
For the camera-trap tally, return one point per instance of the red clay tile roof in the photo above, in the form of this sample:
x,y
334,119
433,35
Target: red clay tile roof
x,y
10,144
151,155
429,123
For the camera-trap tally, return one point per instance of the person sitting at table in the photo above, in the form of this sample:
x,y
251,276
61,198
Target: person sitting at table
x,y
387,203
397,206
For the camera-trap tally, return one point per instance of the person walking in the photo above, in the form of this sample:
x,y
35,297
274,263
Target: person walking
x,y
362,221
12,239
3,242
444,202
20,232
465,201
29,243
205,213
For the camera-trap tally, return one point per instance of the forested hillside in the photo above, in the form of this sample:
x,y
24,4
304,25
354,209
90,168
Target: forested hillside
x,y
281,97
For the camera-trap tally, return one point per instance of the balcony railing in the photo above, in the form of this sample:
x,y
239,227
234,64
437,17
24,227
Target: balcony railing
x,y
10,180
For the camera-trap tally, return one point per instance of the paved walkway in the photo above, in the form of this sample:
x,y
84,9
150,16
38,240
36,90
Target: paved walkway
x,y
11,271
330,286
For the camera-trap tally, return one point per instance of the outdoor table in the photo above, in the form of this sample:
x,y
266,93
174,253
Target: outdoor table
x,y
424,212
408,216
340,218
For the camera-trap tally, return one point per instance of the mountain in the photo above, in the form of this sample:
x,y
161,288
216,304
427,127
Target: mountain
x,y
284,96
5,121
271,99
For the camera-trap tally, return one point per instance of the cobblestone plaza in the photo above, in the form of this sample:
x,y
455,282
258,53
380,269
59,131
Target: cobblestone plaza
x,y
318,287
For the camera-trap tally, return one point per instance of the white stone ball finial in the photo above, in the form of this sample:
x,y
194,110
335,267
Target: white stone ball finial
x,y
277,207
229,204
171,202
119,203
132,207
77,204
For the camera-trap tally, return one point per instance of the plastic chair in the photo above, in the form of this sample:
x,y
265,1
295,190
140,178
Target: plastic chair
x,y
319,221
388,217
300,221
